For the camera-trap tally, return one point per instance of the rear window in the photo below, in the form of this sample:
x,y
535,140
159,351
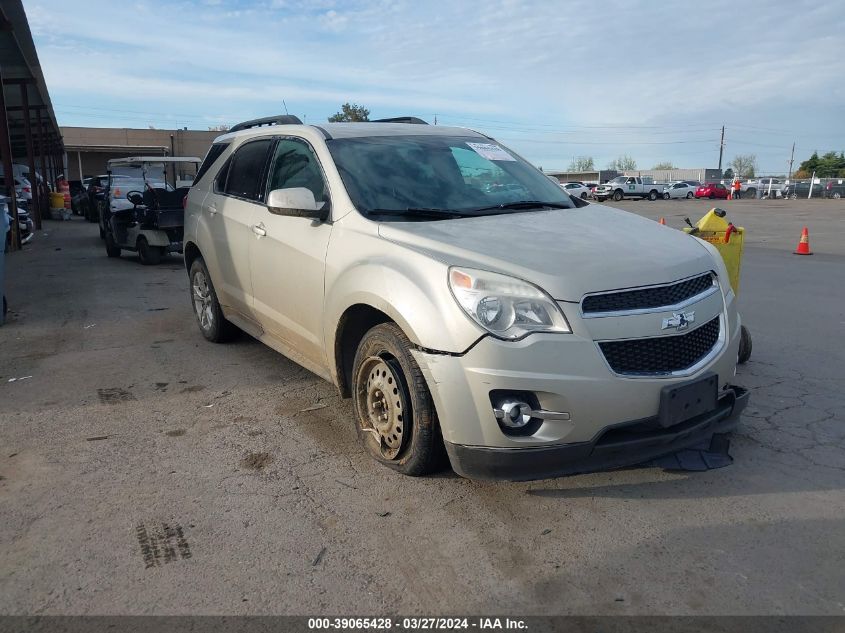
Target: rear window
x,y
247,170
213,154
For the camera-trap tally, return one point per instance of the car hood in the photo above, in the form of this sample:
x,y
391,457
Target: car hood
x,y
567,252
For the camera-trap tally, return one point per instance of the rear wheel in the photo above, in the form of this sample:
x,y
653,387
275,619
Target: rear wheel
x,y
711,197
618,195
837,195
149,255
690,195
794,196
213,324
652,195
394,412
112,249
583,196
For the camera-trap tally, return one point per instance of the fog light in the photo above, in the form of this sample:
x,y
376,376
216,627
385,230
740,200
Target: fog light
x,y
513,414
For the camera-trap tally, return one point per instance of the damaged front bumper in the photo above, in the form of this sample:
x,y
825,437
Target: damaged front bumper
x,y
625,444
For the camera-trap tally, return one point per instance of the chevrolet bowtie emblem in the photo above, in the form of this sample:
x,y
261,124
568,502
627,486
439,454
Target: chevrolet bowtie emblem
x,y
679,320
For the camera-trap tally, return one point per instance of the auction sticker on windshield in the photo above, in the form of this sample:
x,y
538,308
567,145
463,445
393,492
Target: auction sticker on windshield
x,y
491,151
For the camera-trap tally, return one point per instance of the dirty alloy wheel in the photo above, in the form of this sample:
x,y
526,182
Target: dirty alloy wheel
x,y
213,324
583,196
149,255
112,249
652,195
666,196
617,195
690,195
394,413
837,195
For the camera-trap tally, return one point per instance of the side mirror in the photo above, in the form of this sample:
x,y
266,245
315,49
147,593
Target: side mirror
x,y
297,202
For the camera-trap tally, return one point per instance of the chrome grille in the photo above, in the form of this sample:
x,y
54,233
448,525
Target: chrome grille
x,y
646,298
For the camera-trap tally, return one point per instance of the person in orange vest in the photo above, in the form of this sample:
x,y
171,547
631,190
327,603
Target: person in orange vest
x,y
737,189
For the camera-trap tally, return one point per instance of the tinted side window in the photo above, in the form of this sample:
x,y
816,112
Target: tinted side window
x,y
213,155
220,178
247,170
295,165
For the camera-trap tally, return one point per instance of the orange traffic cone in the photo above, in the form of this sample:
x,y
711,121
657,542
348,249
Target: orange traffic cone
x,y
804,243
662,221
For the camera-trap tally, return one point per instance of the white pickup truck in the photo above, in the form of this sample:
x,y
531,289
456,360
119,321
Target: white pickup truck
x,y
762,187
629,187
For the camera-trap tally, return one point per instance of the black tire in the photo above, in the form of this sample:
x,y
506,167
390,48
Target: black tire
x,y
711,197
652,195
149,255
214,326
112,249
666,196
690,195
618,195
744,345
417,446
583,196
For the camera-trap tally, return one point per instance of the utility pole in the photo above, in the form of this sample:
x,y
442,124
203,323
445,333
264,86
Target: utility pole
x,y
791,159
721,150
435,118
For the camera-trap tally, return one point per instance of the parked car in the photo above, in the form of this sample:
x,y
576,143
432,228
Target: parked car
x,y
761,187
23,188
712,190
576,189
797,190
629,187
694,183
835,189
78,197
678,190
363,252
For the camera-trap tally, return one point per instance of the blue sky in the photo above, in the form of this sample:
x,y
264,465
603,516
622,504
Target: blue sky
x,y
553,80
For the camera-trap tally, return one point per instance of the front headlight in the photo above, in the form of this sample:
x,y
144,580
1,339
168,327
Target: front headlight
x,y
506,307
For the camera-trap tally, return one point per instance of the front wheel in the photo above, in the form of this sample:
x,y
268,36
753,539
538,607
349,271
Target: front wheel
x,y
149,255
793,196
112,249
837,195
744,345
617,195
394,412
665,196
690,195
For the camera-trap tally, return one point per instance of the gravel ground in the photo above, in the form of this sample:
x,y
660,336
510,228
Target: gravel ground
x,y
144,470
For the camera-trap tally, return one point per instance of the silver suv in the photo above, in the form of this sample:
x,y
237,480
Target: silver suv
x,y
461,299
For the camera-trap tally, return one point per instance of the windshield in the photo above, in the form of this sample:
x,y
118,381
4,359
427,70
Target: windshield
x,y
461,175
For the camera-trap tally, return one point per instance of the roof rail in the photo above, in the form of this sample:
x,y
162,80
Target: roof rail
x,y
279,119
403,119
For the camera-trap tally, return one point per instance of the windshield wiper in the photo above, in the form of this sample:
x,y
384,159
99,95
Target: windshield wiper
x,y
420,212
525,204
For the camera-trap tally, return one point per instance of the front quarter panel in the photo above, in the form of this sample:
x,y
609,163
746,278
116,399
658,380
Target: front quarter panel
x,y
410,287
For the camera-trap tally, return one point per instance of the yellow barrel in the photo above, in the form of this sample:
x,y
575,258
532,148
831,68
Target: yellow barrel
x,y
57,201
727,238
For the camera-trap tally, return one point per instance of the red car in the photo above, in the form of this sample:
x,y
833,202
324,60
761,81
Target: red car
x,y
712,190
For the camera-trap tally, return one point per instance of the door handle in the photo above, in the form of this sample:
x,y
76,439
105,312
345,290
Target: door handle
x,y
259,229
212,209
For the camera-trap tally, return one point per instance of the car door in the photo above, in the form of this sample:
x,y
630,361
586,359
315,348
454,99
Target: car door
x,y
721,191
288,256
238,191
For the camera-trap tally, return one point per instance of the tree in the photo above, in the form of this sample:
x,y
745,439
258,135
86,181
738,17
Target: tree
x,y
582,163
219,128
829,165
623,163
350,112
667,164
744,165
728,174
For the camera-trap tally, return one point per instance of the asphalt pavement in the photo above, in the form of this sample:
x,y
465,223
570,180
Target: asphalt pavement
x,y
144,470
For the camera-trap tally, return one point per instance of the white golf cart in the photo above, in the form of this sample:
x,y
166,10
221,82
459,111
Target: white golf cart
x,y
144,205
